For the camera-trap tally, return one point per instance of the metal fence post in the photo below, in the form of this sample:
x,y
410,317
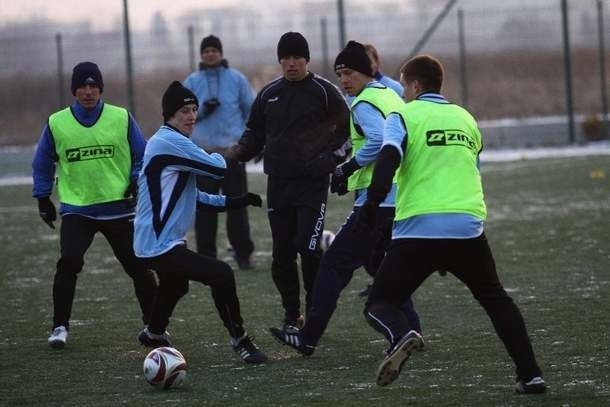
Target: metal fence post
x,y
191,36
429,31
130,91
341,23
602,66
60,71
324,40
567,61
463,73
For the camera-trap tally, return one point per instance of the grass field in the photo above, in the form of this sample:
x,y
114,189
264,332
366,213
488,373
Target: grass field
x,y
549,227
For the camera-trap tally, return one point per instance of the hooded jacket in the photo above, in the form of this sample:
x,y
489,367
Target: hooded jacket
x,y
225,125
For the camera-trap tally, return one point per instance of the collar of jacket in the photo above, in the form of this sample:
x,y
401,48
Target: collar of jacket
x,y
166,124
308,77
223,64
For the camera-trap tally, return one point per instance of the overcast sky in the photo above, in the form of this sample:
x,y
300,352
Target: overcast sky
x,y
105,13
100,13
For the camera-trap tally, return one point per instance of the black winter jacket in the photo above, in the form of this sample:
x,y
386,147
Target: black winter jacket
x,y
298,124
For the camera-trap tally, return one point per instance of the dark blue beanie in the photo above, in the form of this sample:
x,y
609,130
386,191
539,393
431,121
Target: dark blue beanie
x,y
86,73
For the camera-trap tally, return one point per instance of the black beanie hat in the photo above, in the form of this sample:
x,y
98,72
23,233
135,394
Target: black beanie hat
x,y
292,44
210,41
175,97
86,73
354,56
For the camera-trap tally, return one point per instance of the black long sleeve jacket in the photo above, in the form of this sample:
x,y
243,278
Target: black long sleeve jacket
x,y
298,124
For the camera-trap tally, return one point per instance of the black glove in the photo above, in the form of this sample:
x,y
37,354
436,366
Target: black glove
x,y
366,217
338,185
230,155
338,181
132,191
47,211
236,202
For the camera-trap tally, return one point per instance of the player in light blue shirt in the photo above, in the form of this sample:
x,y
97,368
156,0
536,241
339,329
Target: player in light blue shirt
x,y
168,197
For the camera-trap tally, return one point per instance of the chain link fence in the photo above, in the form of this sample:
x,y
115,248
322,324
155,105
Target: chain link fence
x,y
513,62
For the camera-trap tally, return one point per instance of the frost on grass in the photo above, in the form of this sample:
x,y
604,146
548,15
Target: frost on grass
x,y
25,282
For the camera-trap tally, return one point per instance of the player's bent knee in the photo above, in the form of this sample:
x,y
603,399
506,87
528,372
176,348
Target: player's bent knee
x,y
70,265
182,288
222,274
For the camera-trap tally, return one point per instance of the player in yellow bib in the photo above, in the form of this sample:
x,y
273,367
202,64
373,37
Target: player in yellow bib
x,y
440,212
92,152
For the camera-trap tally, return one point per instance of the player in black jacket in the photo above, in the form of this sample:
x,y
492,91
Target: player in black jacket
x,y
298,119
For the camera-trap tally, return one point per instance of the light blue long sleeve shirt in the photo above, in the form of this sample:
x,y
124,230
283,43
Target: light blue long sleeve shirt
x,y
223,127
390,83
371,121
167,190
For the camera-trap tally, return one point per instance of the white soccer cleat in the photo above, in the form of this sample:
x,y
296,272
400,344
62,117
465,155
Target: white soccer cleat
x,y
58,337
534,386
392,364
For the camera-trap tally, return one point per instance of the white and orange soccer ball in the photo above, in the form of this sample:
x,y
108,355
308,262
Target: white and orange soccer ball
x,y
165,368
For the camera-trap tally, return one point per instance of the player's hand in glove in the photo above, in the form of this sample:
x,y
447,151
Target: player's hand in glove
x,y
132,191
47,211
366,217
235,202
230,155
338,184
338,181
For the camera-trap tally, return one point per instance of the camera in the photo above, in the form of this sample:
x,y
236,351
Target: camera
x,y
210,105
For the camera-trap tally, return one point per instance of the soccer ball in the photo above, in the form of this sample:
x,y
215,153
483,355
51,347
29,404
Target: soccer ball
x,y
165,367
326,240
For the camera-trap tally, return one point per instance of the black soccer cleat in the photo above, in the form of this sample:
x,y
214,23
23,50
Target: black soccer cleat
x,y
534,386
243,263
397,355
293,324
152,340
292,337
247,350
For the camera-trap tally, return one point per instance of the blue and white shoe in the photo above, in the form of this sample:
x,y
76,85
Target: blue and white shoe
x,y
247,350
292,337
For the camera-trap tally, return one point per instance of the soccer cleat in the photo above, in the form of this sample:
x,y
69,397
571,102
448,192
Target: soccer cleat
x,y
247,350
399,353
244,263
292,324
292,338
534,386
152,340
58,337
